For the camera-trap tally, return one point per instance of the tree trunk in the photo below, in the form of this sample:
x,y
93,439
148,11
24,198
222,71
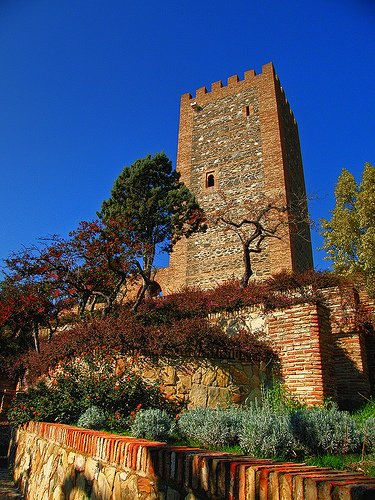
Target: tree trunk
x,y
148,261
82,307
140,296
247,265
36,336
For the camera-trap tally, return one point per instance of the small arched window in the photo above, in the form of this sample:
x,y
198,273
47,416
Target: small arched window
x,y
210,180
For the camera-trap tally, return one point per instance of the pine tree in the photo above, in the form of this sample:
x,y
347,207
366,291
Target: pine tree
x,y
157,209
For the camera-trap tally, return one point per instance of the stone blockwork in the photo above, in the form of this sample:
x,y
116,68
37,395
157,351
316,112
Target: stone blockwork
x,y
207,383
58,462
323,352
245,136
324,348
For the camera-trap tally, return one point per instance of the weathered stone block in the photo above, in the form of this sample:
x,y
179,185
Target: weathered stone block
x,y
198,396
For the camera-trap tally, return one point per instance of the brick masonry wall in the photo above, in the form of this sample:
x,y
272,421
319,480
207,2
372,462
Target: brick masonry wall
x,y
295,183
296,334
321,352
351,355
57,462
244,134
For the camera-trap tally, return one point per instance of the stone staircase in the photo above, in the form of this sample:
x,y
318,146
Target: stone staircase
x,y
7,487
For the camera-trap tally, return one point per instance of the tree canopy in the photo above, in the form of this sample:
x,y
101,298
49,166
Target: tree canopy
x,y
349,236
155,207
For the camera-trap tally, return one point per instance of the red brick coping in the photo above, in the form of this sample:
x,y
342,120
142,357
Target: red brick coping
x,y
217,474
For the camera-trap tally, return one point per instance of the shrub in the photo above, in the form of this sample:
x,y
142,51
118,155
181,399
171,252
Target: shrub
x,y
275,399
191,423
368,434
39,403
84,382
223,427
92,418
268,435
326,430
215,428
152,424
188,337
367,411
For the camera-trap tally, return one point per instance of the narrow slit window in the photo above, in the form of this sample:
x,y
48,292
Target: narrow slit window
x,y
247,111
210,180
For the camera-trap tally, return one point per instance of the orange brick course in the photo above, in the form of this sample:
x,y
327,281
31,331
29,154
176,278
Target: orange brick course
x,y
194,471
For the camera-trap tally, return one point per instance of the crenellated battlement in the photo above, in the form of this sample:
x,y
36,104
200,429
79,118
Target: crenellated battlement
x,y
232,81
238,136
218,87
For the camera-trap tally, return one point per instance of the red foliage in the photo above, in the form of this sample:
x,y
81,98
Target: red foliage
x,y
187,338
282,290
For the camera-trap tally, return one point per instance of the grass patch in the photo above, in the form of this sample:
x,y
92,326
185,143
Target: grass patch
x,y
351,462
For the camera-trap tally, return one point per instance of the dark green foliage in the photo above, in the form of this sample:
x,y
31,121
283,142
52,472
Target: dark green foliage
x,y
155,209
156,205
367,411
82,383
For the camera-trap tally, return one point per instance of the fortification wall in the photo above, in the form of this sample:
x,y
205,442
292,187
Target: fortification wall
x,y
244,135
323,351
58,462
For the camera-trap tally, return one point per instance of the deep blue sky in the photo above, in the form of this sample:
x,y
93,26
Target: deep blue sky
x,y
87,86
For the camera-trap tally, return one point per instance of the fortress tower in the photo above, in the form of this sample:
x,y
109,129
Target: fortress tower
x,y
242,140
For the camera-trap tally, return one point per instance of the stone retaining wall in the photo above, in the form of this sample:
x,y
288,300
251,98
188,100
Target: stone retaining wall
x,y
208,383
58,462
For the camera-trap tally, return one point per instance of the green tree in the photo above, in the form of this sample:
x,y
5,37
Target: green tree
x,y
157,209
349,237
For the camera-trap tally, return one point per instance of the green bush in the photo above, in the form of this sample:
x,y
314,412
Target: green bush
x,y
82,383
215,428
368,433
152,424
276,399
92,418
39,403
191,423
326,430
267,434
367,411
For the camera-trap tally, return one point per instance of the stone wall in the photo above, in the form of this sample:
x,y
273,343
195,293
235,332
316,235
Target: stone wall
x,y
322,353
244,135
58,462
322,350
208,383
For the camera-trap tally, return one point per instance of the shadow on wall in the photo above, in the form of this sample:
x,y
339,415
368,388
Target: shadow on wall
x,y
87,478
347,362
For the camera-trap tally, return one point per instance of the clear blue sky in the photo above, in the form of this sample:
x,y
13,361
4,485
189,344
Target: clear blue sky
x,y
88,86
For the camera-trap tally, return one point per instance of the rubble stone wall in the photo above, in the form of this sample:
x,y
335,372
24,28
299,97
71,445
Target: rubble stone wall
x,y
58,462
207,383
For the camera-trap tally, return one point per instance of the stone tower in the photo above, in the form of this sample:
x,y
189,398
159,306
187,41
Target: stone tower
x,y
241,140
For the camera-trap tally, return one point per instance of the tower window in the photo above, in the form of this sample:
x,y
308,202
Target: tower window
x,y
248,111
210,180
